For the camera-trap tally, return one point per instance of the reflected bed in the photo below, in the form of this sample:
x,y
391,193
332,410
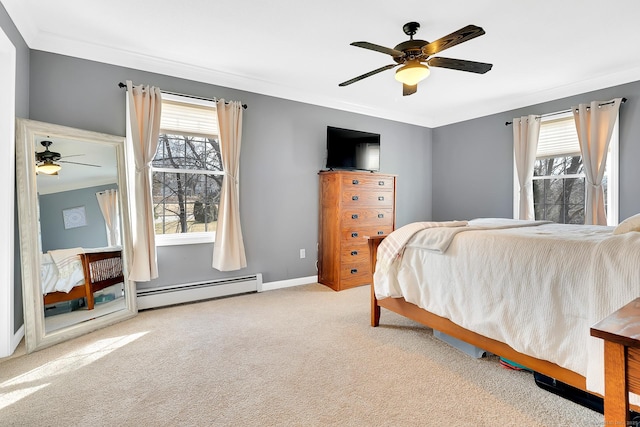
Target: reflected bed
x,y
76,273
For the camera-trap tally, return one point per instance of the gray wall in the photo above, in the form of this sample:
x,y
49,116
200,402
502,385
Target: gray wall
x,y
22,110
473,171
283,148
55,236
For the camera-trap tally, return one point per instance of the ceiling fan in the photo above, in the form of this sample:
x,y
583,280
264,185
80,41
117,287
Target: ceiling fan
x,y
414,55
45,160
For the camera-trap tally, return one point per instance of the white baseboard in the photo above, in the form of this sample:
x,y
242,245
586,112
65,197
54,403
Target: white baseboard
x,y
279,284
191,292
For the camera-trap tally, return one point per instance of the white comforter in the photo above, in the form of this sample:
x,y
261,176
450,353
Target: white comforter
x,y
61,270
538,287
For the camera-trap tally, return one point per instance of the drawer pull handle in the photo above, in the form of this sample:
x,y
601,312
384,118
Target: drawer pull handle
x,y
354,253
381,198
354,234
355,182
354,216
380,182
380,233
380,215
354,197
354,270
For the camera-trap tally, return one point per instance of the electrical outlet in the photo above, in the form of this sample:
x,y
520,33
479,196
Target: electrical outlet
x,y
302,253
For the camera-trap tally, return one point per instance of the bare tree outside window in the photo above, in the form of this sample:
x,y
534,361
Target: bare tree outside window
x,y
559,189
187,177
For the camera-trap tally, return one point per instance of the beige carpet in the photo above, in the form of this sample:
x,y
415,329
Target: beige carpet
x,y
302,356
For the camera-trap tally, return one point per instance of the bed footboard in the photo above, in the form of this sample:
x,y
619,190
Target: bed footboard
x,y
101,270
374,242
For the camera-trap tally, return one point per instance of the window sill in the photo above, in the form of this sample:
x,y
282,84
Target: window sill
x,y
185,239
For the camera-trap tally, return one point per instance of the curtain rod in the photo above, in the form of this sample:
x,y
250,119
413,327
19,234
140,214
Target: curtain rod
x,y
124,86
568,111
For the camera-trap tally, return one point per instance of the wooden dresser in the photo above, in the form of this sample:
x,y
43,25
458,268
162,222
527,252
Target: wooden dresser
x,y
353,206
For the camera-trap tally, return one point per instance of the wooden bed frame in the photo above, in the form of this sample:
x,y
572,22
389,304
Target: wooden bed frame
x,y
101,270
413,312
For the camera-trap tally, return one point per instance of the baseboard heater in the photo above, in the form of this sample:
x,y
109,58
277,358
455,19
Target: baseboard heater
x,y
191,292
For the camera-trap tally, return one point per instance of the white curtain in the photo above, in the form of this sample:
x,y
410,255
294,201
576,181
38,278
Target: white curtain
x,y
108,202
228,250
526,131
143,126
594,123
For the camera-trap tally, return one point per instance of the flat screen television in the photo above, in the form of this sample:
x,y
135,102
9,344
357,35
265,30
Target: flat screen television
x,y
352,149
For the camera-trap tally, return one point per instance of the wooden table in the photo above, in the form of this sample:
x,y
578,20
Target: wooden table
x,y
621,334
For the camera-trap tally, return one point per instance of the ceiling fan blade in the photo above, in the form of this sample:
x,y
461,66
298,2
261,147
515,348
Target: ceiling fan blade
x,y
369,74
460,64
462,35
378,48
77,163
409,89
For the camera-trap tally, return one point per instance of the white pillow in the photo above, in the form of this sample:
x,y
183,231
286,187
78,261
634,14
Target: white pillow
x,y
630,224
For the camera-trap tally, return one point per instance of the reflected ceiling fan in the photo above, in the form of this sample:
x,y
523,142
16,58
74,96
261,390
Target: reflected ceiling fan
x,y
414,56
46,160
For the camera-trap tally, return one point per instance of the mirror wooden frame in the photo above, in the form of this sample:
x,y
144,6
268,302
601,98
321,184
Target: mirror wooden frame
x,y
36,336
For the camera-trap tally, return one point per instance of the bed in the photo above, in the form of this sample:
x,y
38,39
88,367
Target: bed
x,y
75,273
526,291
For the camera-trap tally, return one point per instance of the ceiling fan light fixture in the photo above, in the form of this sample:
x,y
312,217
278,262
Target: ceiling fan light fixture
x,y
412,73
48,168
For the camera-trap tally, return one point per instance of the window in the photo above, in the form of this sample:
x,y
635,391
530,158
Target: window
x,y
558,176
187,172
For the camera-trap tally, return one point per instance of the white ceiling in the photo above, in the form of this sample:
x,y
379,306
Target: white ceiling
x,y
299,50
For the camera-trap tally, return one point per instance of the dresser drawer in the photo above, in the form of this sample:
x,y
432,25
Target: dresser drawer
x,y
355,274
367,198
354,254
358,235
357,218
368,181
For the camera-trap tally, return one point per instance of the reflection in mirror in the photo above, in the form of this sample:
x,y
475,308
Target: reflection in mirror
x,y
74,231
73,224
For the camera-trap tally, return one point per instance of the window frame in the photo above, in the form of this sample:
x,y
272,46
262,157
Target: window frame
x,y
201,237
613,171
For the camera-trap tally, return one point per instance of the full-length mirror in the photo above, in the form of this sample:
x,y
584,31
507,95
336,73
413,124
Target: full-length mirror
x,y
75,242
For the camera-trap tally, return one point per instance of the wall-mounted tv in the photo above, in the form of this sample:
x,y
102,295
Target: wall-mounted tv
x,y
352,149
